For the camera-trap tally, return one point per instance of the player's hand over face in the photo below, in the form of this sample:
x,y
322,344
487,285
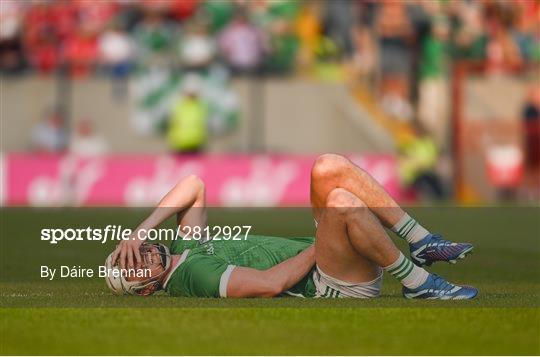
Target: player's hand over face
x,y
127,253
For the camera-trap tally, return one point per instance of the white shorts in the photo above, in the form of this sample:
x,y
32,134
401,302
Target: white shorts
x,y
328,287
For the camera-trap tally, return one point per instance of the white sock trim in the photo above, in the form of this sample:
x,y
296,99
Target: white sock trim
x,y
409,229
416,234
404,219
417,277
414,275
395,264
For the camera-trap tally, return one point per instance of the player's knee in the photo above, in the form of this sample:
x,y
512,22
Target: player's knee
x,y
343,202
328,165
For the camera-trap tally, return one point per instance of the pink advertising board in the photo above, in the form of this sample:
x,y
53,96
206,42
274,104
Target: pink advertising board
x,y
139,180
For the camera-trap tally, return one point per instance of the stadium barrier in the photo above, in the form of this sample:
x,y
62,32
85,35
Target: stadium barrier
x,y
138,180
141,180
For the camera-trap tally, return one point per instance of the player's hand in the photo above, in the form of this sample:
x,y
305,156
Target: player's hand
x,y
127,253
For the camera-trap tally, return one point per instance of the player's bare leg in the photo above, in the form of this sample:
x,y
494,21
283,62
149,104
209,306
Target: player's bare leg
x,y
332,171
352,245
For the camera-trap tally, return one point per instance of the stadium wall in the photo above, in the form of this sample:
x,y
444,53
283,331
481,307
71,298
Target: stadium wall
x,y
277,115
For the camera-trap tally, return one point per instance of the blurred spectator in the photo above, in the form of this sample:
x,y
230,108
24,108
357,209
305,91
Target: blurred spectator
x,y
417,165
64,17
86,142
95,16
365,41
395,36
531,125
41,38
283,48
49,134
469,39
339,22
308,30
502,50
530,27
276,20
187,130
364,58
154,38
116,51
129,15
433,86
11,14
11,55
283,9
242,45
117,57
183,9
81,52
197,48
42,53
219,13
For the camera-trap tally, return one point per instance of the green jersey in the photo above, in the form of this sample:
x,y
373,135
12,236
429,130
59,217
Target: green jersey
x,y
204,269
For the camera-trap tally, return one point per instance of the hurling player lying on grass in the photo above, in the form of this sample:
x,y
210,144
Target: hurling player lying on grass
x,y
345,259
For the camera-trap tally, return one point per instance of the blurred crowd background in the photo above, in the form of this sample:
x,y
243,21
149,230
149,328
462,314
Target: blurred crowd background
x,y
450,88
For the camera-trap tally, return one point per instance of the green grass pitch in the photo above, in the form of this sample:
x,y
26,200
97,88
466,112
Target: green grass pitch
x,y
81,317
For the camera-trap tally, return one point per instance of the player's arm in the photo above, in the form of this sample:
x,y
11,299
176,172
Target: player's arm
x,y
186,194
248,282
